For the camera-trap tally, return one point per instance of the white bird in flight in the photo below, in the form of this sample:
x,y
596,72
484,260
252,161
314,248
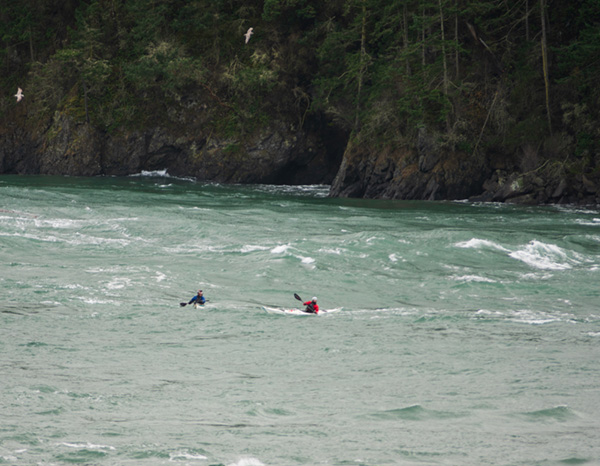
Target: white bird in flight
x,y
248,34
19,95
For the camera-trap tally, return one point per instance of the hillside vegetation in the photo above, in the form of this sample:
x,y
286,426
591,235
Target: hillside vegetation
x,y
509,83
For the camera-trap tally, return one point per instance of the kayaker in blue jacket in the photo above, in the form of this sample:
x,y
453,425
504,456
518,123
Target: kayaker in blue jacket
x,y
198,299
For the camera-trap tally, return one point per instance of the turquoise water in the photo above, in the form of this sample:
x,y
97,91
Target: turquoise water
x,y
469,333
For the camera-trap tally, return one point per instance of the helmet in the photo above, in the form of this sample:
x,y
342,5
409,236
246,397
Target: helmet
x,y
314,300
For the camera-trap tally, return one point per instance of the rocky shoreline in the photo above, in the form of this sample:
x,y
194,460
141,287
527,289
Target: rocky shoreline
x,y
282,154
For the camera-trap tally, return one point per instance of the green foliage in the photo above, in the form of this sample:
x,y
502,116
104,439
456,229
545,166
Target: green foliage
x,y
380,68
288,10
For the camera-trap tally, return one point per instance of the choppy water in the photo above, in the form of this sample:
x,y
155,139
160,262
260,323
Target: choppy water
x,y
469,334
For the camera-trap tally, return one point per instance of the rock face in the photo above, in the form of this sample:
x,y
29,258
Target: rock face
x,y
425,173
279,154
282,154
430,172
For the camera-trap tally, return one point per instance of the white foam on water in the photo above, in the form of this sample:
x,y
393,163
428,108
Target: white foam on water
x,y
87,446
476,243
186,456
100,301
118,283
282,248
160,174
247,462
163,173
485,312
252,247
336,251
474,278
544,256
536,276
533,317
593,223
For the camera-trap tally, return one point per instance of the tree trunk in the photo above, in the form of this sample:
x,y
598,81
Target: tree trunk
x,y
444,60
456,57
85,100
31,45
405,37
545,62
363,53
423,36
527,20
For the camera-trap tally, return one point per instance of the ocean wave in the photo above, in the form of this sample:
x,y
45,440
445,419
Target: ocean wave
x,y
87,446
557,413
536,254
247,462
476,243
184,455
546,256
315,190
280,249
473,278
77,240
593,223
414,413
160,174
252,248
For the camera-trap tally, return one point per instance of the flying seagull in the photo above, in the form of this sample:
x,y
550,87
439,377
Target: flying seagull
x,y
19,95
248,34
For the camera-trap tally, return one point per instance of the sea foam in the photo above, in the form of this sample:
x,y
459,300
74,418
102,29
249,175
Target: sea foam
x,y
476,243
544,256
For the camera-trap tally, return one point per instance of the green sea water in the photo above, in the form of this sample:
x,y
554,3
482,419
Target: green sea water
x,y
469,334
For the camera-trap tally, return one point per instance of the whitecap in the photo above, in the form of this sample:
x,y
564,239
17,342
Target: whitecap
x,y
474,278
118,283
307,260
247,462
154,173
251,248
99,301
395,258
485,312
476,243
88,446
336,251
160,174
544,256
186,456
528,316
280,249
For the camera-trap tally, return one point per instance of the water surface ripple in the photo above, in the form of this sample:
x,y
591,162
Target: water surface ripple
x,y
469,333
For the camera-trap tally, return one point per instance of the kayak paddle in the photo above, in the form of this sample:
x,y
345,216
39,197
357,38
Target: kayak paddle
x,y
185,304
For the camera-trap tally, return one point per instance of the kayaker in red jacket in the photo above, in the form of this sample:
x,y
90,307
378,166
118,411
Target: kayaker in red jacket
x,y
312,306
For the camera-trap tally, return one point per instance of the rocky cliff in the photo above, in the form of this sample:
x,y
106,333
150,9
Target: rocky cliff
x,y
430,172
278,154
282,154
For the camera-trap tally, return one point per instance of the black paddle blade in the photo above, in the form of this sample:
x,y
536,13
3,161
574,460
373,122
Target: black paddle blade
x,y
183,304
297,297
